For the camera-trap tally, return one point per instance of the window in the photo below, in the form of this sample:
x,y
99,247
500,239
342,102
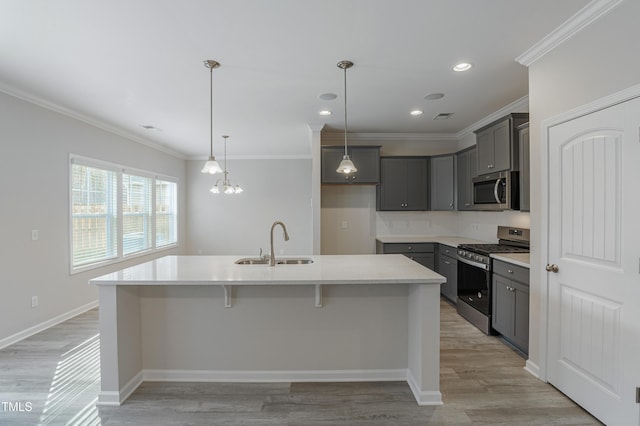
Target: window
x,y
166,212
118,213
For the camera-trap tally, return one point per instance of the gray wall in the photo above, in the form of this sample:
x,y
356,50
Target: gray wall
x,y
240,224
35,144
598,61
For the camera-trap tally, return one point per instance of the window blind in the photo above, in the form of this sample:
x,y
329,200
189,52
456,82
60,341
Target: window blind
x,y
93,214
166,213
136,213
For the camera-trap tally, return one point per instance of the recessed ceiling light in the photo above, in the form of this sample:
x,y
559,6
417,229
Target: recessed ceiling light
x,y
462,66
327,96
416,112
434,96
324,112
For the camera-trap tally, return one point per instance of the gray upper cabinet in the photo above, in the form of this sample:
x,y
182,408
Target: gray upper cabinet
x,y
525,180
497,144
365,158
466,171
403,184
443,182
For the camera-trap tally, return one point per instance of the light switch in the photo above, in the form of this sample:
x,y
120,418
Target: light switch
x,y
34,235
344,224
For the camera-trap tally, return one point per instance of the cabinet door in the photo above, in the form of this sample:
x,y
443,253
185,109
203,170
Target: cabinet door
x,y
501,146
502,305
448,267
520,335
442,183
484,147
367,161
464,180
392,191
416,184
330,158
524,169
425,259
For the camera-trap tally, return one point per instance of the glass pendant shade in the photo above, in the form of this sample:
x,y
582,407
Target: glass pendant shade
x,y
211,166
346,166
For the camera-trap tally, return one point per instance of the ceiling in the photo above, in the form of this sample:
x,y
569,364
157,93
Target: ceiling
x,y
125,64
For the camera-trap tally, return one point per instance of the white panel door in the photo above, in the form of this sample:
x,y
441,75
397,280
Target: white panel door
x,y
594,239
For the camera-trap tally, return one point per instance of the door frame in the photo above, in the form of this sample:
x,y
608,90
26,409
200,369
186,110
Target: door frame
x,y
541,370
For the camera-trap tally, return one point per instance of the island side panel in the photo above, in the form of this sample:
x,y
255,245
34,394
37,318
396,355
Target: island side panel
x,y
120,343
275,332
424,343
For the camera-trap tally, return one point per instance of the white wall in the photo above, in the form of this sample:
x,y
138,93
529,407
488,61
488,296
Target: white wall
x,y
35,145
599,60
240,224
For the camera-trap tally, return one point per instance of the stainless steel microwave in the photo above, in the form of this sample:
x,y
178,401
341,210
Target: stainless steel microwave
x,y
496,191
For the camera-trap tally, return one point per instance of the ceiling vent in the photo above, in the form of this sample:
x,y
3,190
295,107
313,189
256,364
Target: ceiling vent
x,y
443,116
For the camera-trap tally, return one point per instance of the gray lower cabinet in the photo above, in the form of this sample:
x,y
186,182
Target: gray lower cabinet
x,y
465,171
510,303
403,184
448,267
365,158
423,253
443,182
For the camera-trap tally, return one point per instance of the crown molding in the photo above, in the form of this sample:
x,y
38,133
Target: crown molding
x,y
583,18
379,137
28,97
519,105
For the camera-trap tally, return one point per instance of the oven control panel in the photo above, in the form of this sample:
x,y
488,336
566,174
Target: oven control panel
x,y
464,254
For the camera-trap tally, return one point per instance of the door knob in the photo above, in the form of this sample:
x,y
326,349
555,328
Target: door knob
x,y
552,268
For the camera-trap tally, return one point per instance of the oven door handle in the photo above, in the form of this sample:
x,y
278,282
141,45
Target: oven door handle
x,y
472,263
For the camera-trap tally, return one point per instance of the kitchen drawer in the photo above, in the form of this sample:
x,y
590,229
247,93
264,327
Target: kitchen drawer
x,y
404,248
445,250
511,271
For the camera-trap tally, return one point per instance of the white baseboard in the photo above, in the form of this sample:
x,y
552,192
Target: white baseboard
x,y
15,338
274,376
423,397
115,398
532,368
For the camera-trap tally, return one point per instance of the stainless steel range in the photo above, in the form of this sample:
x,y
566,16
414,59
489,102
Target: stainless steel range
x,y
474,274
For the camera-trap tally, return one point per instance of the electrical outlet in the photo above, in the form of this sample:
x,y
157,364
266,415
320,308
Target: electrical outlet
x,y
344,224
34,301
34,235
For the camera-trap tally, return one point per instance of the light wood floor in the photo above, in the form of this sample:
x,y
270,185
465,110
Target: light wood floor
x,y
482,382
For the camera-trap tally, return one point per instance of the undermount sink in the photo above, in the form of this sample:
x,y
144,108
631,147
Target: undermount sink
x,y
282,261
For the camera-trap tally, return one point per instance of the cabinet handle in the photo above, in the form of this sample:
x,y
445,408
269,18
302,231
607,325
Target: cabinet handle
x,y
446,262
467,204
450,204
410,247
510,271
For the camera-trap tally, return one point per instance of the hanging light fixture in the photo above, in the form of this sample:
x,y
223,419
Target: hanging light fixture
x,y
346,165
211,166
225,186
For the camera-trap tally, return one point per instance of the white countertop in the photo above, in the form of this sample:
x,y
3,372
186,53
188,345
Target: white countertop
x,y
521,259
446,240
221,270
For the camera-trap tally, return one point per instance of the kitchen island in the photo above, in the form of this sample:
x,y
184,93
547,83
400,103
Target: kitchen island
x,y
206,318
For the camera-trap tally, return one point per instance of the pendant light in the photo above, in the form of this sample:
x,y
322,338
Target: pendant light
x,y
211,166
346,165
225,186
